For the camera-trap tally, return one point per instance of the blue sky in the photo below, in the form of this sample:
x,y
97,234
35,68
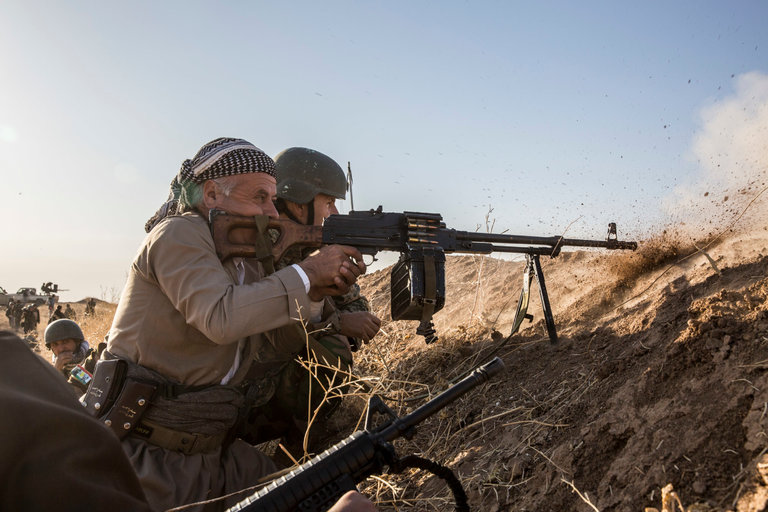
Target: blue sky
x,y
555,114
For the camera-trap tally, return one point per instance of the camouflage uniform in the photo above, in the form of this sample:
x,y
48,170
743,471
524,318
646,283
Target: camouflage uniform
x,y
10,315
70,313
302,174
294,383
31,317
90,307
18,312
57,314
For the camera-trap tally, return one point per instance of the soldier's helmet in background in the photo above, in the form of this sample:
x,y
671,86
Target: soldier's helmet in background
x,y
63,329
303,173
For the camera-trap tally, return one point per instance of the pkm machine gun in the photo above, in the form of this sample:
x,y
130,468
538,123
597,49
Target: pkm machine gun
x,y
422,239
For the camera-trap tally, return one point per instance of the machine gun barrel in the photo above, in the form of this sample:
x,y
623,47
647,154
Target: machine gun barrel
x,y
545,245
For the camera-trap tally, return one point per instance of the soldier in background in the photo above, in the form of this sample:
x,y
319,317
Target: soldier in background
x,y
18,313
56,315
90,307
72,355
30,318
10,314
70,313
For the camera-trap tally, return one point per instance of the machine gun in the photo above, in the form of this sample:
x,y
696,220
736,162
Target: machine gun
x,y
422,239
320,482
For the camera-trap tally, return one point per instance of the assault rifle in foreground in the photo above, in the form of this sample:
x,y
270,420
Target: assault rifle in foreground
x,y
418,278
316,485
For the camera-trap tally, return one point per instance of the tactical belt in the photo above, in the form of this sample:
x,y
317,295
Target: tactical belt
x,y
184,442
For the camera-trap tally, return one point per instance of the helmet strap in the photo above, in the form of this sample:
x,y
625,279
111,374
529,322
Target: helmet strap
x,y
311,213
283,210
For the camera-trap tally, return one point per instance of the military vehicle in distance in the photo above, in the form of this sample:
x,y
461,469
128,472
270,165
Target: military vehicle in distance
x,y
27,294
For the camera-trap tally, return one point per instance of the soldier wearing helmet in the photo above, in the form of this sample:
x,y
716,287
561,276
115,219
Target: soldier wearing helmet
x,y
308,185
71,354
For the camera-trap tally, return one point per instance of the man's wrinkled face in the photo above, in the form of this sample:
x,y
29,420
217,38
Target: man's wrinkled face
x,y
66,345
250,194
325,206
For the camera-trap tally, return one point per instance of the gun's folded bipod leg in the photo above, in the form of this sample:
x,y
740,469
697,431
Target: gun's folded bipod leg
x,y
525,294
548,319
533,267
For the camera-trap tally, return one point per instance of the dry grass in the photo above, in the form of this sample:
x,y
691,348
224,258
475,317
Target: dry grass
x,y
94,327
406,376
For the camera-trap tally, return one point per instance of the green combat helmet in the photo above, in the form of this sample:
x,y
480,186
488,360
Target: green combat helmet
x,y
303,173
63,329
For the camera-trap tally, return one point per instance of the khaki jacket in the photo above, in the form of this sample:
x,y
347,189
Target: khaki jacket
x,y
182,313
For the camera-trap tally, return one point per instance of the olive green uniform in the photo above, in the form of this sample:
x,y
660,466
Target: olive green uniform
x,y
324,345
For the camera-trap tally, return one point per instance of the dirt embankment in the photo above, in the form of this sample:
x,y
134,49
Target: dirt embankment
x,y
659,377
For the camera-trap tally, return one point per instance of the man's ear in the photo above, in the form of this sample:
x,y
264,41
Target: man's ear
x,y
210,194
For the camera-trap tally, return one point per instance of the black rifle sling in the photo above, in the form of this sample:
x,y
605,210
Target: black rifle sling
x,y
263,245
525,295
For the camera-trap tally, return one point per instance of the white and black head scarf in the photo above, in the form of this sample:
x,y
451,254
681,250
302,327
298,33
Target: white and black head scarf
x,y
219,158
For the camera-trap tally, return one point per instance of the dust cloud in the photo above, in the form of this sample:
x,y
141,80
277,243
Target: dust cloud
x,y
731,153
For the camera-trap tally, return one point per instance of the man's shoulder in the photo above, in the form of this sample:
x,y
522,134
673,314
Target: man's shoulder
x,y
175,221
173,240
179,226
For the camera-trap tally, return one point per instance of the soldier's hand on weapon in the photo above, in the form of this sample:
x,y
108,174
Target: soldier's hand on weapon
x,y
359,324
62,359
332,270
353,501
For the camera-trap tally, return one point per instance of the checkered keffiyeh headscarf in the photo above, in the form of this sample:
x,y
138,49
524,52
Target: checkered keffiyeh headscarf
x,y
220,157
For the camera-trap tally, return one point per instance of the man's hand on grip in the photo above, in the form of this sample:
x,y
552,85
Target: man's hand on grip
x,y
359,324
332,270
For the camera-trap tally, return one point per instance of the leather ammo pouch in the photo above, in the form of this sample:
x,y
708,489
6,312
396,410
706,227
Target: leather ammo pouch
x,y
116,399
108,377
